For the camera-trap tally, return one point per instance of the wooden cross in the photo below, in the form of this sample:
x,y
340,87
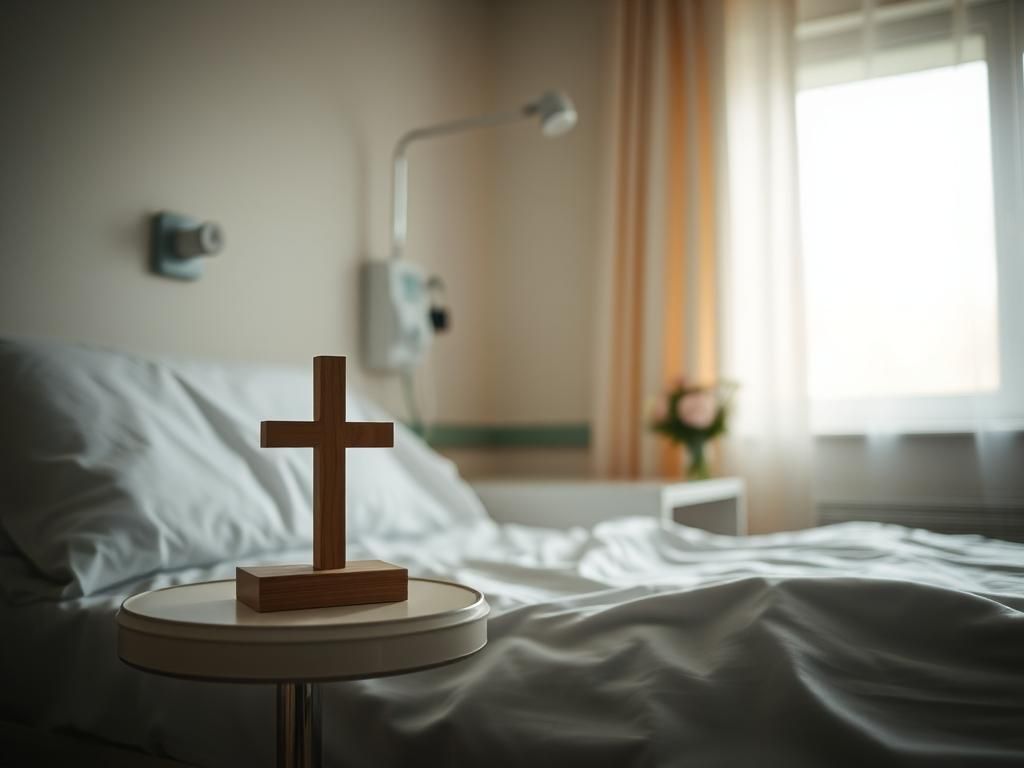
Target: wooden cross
x,y
328,435
331,581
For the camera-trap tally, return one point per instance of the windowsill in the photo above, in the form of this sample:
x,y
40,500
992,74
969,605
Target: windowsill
x,y
1016,428
909,416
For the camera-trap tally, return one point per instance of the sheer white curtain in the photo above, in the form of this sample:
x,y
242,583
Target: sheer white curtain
x,y
762,317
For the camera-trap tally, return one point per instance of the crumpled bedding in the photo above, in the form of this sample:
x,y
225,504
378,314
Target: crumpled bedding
x,y
628,645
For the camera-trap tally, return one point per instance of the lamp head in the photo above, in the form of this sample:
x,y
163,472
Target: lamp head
x,y
556,112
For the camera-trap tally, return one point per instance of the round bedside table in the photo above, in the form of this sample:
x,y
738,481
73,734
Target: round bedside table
x,y
200,631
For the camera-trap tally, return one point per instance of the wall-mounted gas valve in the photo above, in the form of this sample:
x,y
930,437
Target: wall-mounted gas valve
x,y
179,243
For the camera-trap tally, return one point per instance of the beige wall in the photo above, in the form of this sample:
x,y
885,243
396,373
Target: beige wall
x,y
547,206
277,120
547,201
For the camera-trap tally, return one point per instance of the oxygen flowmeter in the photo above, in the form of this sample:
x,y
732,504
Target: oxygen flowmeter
x,y
401,312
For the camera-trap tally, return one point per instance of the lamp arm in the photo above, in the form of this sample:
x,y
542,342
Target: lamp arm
x,y
400,178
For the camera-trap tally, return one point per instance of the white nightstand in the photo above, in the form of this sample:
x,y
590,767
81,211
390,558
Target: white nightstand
x,y
200,631
716,505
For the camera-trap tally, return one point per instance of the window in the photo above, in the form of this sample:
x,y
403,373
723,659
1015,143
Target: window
x,y
907,279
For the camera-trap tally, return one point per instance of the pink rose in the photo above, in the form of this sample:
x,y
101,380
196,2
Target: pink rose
x,y
697,409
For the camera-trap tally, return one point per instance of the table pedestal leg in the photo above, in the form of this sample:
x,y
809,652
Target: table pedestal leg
x,y
298,725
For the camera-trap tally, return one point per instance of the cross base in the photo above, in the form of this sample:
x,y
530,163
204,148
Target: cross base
x,y
293,587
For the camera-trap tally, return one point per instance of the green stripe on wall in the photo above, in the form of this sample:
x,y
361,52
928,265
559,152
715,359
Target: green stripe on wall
x,y
517,436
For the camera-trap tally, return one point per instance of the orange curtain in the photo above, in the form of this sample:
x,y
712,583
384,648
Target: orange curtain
x,y
702,264
663,287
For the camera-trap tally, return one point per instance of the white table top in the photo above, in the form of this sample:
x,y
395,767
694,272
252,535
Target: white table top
x,y
201,631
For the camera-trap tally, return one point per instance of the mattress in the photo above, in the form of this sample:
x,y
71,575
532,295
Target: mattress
x,y
630,644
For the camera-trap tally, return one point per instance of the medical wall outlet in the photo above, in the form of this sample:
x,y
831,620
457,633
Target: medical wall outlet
x,y
178,243
396,314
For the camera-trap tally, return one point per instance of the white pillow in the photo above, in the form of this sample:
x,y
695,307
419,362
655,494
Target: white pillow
x,y
115,466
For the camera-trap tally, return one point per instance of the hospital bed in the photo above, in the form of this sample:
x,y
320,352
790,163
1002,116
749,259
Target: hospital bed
x,y
631,641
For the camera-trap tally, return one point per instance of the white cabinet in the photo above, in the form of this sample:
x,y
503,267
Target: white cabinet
x,y
715,505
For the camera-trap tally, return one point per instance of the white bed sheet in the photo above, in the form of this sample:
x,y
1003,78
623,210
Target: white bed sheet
x,y
631,645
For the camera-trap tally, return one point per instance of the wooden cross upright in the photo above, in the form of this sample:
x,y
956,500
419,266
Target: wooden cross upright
x,y
328,435
330,581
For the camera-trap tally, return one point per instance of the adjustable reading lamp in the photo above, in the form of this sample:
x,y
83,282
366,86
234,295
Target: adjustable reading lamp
x,y
399,316
554,110
400,312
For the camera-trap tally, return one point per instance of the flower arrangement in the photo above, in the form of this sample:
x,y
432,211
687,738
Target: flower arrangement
x,y
691,415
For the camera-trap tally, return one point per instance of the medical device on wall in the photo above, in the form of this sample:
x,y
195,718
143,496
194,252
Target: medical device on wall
x,y
402,307
179,243
396,314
